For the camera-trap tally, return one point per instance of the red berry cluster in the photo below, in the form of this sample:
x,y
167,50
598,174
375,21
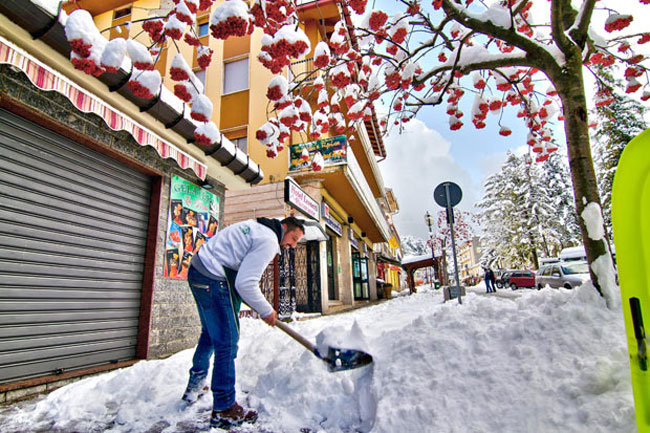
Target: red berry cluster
x,y
322,61
199,117
180,90
178,74
603,59
204,5
632,86
88,65
80,47
144,66
274,93
618,23
340,80
414,8
202,139
399,35
174,33
232,26
191,40
154,28
205,57
192,6
633,71
377,20
359,6
139,90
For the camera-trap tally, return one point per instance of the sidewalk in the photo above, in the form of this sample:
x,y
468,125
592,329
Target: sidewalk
x,y
500,293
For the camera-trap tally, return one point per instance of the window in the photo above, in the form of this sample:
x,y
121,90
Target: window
x,y
120,24
204,28
556,270
200,74
241,143
122,13
235,77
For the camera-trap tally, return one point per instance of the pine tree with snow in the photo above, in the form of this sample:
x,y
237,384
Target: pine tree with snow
x,y
561,229
527,211
620,119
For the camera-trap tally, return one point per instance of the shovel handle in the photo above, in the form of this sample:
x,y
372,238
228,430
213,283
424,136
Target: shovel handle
x,y
293,334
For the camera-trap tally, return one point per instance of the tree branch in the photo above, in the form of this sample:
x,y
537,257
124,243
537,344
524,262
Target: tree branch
x,y
496,61
509,36
557,26
579,33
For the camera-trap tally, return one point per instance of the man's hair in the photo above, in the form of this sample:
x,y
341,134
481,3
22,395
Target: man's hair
x,y
294,223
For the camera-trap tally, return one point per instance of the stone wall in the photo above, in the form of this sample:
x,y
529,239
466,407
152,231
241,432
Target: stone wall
x,y
174,320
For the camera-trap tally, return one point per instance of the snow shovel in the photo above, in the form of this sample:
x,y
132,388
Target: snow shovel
x,y
336,359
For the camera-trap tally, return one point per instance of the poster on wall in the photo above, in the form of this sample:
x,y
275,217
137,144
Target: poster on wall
x,y
333,150
193,219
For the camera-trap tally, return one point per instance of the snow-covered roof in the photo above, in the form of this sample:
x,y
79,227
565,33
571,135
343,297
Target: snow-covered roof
x,y
413,259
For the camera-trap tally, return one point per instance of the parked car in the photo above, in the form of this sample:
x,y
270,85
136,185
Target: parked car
x,y
502,278
519,279
565,274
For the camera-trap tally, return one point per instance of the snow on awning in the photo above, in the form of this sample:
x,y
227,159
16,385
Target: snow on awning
x,y
45,78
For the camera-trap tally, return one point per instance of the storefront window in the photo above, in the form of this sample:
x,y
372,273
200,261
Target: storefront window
x,y
331,267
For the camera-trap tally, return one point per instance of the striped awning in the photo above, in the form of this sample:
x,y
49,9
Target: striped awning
x,y
45,78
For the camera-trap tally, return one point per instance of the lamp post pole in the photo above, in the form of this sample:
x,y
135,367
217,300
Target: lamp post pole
x,y
429,221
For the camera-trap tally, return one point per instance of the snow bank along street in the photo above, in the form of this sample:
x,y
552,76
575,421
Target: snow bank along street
x,y
543,361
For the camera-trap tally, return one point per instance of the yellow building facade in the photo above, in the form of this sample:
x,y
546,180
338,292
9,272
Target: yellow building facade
x,y
347,194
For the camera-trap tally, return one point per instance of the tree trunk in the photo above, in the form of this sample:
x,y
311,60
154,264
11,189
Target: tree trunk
x,y
571,89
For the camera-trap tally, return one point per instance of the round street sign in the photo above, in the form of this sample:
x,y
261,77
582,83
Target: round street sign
x,y
440,194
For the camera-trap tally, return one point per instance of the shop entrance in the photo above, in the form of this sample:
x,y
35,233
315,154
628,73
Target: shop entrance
x,y
332,294
360,277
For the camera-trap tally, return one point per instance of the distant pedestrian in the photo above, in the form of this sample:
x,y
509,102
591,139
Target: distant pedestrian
x,y
490,281
493,280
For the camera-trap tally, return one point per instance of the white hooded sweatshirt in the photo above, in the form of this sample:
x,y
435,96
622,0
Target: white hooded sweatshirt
x,y
246,247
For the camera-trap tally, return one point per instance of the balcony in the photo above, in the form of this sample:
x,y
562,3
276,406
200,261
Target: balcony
x,y
303,71
346,183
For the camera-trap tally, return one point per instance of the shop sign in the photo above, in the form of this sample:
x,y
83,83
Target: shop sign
x,y
353,240
333,150
193,219
299,199
330,222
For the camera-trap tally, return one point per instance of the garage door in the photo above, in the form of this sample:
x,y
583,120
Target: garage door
x,y
73,228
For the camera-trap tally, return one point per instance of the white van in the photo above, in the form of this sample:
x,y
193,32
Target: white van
x,y
574,254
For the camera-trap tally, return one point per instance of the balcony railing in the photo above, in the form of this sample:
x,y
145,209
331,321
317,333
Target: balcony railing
x,y
303,70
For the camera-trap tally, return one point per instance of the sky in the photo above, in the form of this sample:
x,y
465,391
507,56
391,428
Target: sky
x,y
428,152
486,365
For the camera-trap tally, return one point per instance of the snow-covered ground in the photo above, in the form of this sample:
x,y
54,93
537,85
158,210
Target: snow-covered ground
x,y
525,361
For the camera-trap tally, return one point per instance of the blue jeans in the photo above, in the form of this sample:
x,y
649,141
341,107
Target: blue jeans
x,y
218,308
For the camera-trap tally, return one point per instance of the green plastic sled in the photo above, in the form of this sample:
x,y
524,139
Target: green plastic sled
x,y
631,224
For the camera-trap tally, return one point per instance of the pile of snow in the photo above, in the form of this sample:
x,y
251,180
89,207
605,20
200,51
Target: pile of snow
x,y
525,361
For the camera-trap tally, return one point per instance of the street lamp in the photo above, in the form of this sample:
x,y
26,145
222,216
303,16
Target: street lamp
x,y
428,219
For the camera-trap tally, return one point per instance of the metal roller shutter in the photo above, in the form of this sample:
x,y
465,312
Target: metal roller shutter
x,y
73,226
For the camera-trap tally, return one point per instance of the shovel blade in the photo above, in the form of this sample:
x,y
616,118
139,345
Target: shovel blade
x,y
345,359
